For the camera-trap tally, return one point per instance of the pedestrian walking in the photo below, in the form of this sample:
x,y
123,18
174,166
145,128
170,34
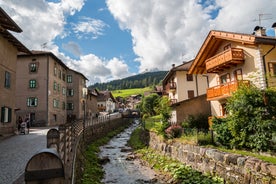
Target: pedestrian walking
x,y
28,124
19,121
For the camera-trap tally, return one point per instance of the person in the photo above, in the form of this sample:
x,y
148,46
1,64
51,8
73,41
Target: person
x,y
19,121
28,124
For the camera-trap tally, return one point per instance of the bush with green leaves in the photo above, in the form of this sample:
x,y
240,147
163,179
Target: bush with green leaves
x,y
199,121
173,131
250,122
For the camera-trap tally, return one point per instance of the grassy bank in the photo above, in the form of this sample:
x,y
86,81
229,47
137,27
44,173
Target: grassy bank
x,y
165,165
93,171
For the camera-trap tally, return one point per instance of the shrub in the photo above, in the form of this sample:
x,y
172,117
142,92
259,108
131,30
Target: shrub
x,y
174,131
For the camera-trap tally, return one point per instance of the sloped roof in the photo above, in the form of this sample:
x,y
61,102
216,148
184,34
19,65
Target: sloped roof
x,y
213,41
183,67
104,95
6,23
45,53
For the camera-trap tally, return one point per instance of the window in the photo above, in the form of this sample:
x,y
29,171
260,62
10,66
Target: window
x,y
32,83
32,102
59,74
55,70
7,79
69,78
238,75
63,90
63,76
228,46
70,92
56,103
224,78
6,113
55,86
189,77
272,69
191,94
70,106
33,67
63,105
58,87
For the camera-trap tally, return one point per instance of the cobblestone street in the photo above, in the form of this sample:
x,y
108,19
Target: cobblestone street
x,y
15,152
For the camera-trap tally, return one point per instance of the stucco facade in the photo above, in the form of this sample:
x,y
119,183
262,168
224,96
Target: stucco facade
x,y
76,94
230,59
9,47
41,80
179,86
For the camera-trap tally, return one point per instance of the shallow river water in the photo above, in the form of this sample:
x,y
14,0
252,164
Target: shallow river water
x,y
119,168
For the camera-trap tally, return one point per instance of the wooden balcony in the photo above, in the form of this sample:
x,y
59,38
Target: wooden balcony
x,y
224,90
171,87
225,60
173,101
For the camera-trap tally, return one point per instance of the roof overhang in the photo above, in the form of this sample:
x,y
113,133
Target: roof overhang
x,y
213,41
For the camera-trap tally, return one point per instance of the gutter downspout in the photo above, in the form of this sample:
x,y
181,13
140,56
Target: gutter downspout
x,y
264,63
47,92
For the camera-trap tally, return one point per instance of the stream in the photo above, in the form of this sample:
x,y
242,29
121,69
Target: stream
x,y
121,166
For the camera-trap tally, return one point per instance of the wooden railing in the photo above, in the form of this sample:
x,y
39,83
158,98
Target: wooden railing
x,y
232,56
224,90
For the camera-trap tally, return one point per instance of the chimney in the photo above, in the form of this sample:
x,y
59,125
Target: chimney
x,y
260,31
173,65
274,27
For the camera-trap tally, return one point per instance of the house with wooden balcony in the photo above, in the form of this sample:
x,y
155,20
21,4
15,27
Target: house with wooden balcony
x,y
230,60
184,91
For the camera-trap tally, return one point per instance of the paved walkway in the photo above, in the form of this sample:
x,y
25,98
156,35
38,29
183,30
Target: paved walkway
x,y
15,152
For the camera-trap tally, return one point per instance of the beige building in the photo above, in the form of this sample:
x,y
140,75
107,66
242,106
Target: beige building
x,y
41,88
76,95
91,101
9,48
231,59
180,86
106,102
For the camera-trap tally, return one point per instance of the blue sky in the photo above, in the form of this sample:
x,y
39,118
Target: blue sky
x,y
112,39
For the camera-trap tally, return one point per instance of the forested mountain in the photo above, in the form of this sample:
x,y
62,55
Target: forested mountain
x,y
136,81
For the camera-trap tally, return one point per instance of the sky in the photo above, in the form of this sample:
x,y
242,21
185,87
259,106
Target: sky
x,y
113,39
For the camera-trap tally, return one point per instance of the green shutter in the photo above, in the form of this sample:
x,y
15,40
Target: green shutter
x,y
2,114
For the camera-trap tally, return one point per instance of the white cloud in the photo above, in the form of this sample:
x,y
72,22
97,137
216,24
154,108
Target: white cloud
x,y
73,48
89,27
163,32
166,32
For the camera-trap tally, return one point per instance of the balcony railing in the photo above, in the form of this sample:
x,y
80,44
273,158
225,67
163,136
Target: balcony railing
x,y
223,60
224,90
173,101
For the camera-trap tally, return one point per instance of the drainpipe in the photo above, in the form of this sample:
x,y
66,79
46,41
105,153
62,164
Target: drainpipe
x,y
196,85
265,64
47,93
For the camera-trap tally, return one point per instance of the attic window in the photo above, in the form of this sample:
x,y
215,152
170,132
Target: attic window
x,y
272,69
228,46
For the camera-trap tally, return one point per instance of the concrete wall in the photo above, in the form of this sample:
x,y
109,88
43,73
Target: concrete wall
x,y
234,168
193,106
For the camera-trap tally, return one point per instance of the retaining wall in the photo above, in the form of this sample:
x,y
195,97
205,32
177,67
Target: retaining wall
x,y
234,168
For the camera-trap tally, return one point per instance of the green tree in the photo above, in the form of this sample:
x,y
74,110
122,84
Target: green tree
x,y
149,103
251,118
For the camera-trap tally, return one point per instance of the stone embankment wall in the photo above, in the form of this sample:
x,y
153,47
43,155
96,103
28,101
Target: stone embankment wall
x,y
234,168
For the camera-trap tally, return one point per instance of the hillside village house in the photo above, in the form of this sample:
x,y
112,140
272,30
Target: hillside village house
x,y
186,92
9,48
92,103
41,84
106,102
76,95
231,59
